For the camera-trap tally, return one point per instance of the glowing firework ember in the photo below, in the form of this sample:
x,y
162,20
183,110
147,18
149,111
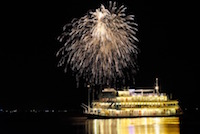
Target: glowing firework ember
x,y
101,46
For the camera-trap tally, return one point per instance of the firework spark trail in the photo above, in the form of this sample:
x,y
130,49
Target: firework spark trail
x,y
100,45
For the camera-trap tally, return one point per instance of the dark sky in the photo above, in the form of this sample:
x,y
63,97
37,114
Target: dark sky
x,y
29,74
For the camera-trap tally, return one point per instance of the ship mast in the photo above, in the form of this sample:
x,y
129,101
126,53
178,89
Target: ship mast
x,y
88,98
157,87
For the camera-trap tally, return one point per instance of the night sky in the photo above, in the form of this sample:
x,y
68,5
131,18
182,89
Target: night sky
x,y
29,74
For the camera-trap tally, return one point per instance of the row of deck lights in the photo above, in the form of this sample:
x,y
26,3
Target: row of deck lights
x,y
141,98
135,104
138,98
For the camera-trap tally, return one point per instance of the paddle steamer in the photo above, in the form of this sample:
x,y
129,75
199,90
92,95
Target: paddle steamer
x,y
132,103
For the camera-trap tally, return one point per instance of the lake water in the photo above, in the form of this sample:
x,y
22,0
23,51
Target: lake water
x,y
61,124
134,126
155,125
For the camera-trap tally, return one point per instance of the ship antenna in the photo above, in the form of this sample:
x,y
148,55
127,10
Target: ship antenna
x,y
157,87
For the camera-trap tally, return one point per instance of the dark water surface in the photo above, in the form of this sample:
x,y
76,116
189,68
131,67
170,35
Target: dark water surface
x,y
61,123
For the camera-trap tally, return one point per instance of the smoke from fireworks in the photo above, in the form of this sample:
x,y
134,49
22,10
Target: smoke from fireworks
x,y
101,46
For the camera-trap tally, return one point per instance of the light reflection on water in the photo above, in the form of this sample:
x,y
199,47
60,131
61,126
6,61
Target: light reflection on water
x,y
155,125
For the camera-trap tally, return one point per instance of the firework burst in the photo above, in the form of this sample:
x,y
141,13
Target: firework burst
x,y
100,46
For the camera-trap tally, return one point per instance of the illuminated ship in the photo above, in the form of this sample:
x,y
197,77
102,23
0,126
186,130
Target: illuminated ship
x,y
132,103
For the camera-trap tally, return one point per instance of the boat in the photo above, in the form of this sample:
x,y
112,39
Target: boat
x,y
145,102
